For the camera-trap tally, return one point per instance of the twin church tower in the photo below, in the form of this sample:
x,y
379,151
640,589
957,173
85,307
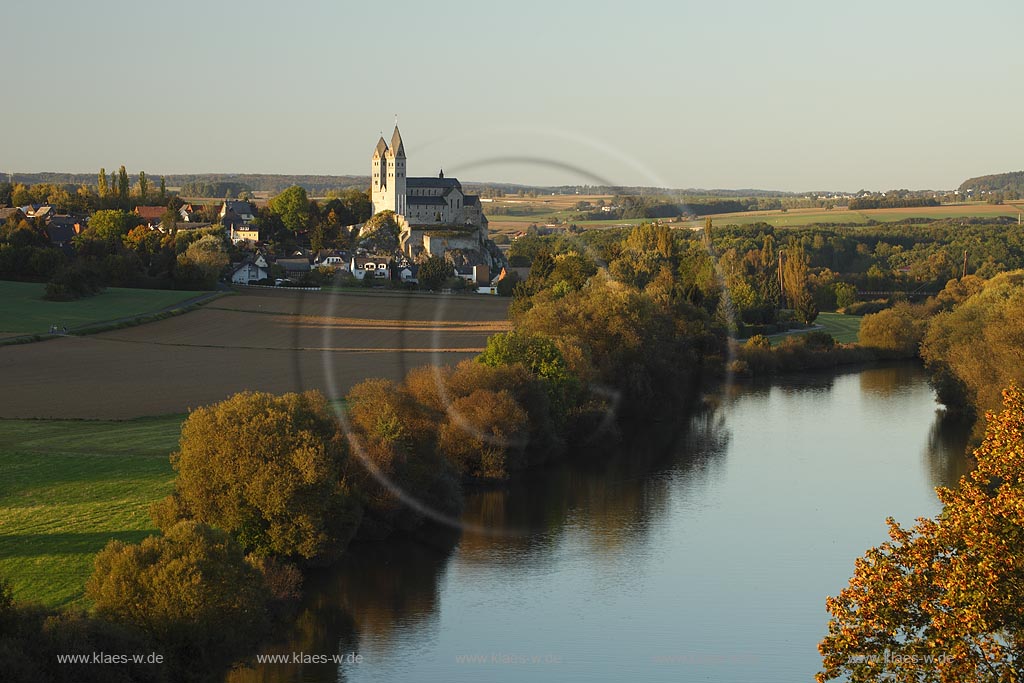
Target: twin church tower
x,y
421,201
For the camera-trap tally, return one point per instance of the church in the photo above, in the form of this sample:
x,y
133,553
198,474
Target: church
x,y
421,202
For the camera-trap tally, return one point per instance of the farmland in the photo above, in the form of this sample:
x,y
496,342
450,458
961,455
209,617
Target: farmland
x,y
258,339
548,209
24,311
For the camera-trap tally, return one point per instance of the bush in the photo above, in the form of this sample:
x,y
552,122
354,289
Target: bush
x,y
897,331
73,282
268,469
485,435
191,590
865,307
397,473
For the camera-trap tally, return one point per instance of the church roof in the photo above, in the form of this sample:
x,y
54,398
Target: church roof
x,y
380,148
431,200
433,182
396,143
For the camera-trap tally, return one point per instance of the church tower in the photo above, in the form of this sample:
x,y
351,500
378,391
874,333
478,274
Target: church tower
x,y
396,165
388,175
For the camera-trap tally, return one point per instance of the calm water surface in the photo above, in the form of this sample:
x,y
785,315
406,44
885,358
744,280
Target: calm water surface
x,y
705,559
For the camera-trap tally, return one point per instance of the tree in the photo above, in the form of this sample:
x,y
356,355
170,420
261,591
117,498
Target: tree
x,y
143,187
190,589
207,257
434,271
950,587
846,294
123,188
293,208
105,232
796,285
976,348
397,472
268,469
484,435
163,190
102,188
897,330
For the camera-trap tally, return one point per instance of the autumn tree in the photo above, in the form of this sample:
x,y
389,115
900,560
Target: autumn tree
x,y
143,187
396,470
897,330
190,589
796,285
268,469
102,187
948,588
975,348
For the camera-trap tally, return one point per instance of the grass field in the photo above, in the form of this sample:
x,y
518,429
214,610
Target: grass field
x,y
24,311
844,328
68,487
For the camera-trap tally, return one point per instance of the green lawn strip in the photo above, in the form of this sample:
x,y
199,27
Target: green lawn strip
x,y
844,328
67,488
24,311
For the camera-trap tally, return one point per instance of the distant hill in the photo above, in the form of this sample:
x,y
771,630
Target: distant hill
x,y
997,182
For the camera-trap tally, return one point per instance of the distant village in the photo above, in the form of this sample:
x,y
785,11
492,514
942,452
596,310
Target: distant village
x,y
413,220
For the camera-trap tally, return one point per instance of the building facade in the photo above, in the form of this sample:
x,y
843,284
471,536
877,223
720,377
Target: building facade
x,y
421,201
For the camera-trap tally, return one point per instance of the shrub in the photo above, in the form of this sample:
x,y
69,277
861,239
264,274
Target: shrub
x,y
485,435
190,589
897,331
269,470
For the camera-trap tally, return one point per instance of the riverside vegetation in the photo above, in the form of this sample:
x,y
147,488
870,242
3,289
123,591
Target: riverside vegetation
x,y
269,485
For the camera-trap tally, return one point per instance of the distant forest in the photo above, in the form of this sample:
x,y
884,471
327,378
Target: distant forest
x,y
998,182
223,184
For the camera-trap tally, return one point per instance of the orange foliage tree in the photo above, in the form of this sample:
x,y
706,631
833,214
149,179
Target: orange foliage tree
x,y
944,600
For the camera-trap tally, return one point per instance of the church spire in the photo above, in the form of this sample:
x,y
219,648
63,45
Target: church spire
x,y
381,147
397,148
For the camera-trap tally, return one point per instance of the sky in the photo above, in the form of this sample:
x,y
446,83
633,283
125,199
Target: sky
x,y
774,95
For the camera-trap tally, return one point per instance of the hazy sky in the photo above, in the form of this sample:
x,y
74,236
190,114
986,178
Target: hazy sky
x,y
776,95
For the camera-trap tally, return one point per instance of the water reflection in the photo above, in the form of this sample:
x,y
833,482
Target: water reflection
x,y
947,453
717,541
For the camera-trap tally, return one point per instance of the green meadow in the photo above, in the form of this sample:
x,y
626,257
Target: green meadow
x,y
68,487
24,311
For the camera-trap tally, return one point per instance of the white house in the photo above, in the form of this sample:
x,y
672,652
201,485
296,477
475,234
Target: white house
x,y
378,267
248,271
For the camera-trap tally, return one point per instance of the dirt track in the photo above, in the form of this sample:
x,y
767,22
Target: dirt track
x,y
263,340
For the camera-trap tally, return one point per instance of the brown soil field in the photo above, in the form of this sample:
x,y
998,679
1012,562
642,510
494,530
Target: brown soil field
x,y
262,340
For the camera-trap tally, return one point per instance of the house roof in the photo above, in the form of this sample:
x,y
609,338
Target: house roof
x,y
240,207
296,265
61,229
361,261
150,212
7,213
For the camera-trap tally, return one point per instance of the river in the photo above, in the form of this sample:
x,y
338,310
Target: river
x,y
707,557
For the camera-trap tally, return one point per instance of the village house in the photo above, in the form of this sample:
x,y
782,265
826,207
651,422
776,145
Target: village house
x,y
150,215
250,271
378,267
242,234
12,214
